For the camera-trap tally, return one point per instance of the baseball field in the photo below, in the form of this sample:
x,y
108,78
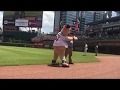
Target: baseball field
x,y
10,56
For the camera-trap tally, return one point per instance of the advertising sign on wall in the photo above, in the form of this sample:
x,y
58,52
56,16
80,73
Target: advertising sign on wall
x,y
34,23
24,15
19,22
10,28
8,22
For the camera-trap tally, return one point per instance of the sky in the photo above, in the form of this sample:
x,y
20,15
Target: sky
x,y
48,21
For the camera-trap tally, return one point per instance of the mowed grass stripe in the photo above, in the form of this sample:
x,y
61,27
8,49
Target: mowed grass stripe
x,y
20,55
24,49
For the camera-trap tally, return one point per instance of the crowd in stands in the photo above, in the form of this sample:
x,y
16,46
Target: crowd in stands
x,y
107,37
80,38
43,37
106,27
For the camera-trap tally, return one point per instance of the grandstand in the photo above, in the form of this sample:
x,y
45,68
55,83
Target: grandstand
x,y
105,33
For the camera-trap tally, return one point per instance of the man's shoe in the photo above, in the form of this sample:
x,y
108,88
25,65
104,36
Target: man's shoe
x,y
64,64
71,63
54,62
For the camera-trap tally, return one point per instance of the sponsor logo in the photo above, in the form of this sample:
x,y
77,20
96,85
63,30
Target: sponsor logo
x,y
34,23
21,23
5,22
8,22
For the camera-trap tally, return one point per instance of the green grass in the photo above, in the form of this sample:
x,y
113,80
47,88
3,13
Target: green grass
x,y
10,56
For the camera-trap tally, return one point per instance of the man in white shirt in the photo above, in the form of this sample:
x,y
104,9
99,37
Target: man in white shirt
x,y
85,49
96,50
